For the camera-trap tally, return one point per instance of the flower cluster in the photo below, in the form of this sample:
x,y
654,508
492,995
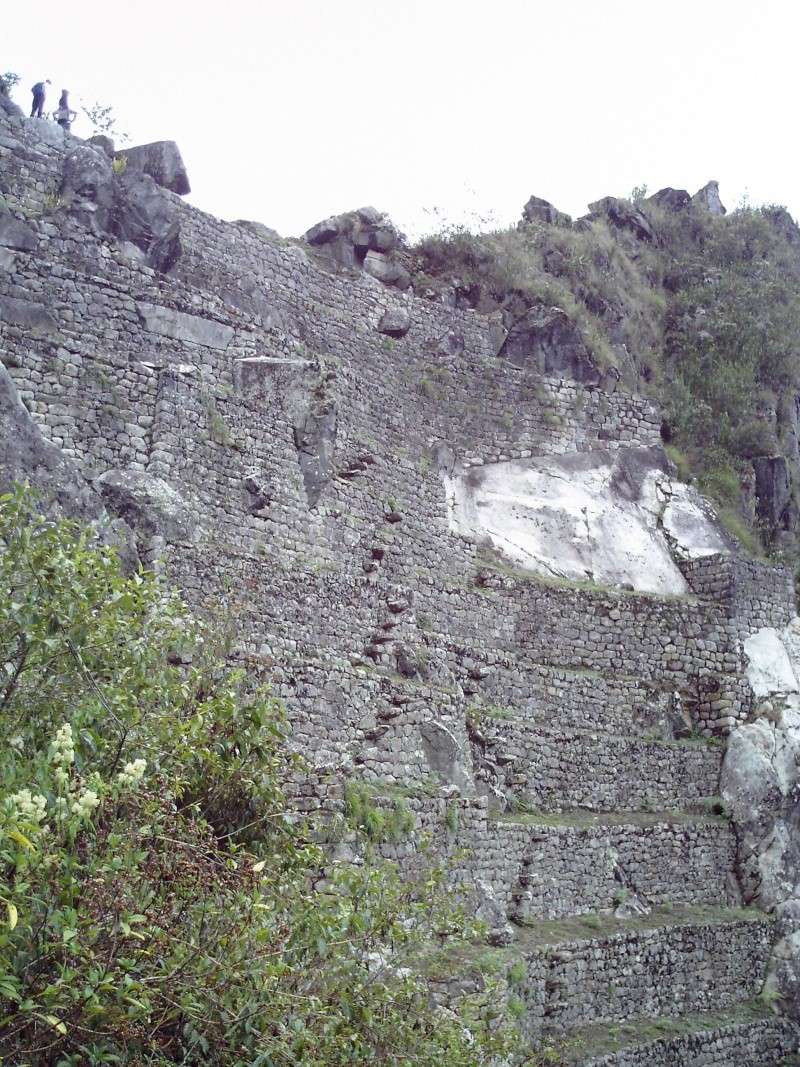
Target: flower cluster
x,y
85,804
132,773
28,807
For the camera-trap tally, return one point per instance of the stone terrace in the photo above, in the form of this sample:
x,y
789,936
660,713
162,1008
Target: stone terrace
x,y
531,725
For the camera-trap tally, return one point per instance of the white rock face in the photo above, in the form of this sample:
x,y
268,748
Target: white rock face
x,y
595,516
760,783
769,669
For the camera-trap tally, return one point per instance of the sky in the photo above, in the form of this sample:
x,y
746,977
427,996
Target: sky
x,y
438,112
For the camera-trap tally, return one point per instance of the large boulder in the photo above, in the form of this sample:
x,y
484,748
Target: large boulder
x,y
149,505
162,161
88,188
670,199
129,206
147,219
547,339
538,210
623,215
364,238
708,199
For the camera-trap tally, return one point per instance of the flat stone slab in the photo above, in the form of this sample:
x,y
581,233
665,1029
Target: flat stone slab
x,y
181,326
29,316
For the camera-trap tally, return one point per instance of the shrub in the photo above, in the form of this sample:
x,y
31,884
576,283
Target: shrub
x,y
161,905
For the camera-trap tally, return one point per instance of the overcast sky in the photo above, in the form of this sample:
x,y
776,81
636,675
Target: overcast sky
x,y
287,112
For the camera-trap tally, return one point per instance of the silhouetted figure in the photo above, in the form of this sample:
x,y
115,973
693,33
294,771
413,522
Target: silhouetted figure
x,y
64,116
38,98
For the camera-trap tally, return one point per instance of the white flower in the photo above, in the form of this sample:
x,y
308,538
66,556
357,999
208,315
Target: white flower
x,y
85,804
132,773
28,807
62,748
17,742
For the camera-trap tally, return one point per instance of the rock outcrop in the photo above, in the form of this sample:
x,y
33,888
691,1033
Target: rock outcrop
x,y
363,239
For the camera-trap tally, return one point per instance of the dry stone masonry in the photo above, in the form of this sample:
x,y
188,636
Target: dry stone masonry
x,y
301,441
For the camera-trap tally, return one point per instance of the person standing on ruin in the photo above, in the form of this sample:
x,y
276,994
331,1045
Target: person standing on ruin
x,y
64,116
38,98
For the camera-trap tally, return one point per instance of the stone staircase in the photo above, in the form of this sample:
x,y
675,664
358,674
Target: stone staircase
x,y
614,864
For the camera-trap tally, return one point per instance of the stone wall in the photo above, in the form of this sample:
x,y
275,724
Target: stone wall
x,y
308,449
767,1042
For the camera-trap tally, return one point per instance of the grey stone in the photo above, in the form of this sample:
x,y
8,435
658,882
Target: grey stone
x,y
147,218
322,232
624,215
773,492
26,458
538,210
708,199
149,505
259,229
33,317
162,161
395,322
446,756
183,327
104,143
16,234
546,339
87,187
315,440
670,199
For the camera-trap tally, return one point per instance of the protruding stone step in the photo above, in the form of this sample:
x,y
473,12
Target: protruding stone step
x,y
578,863
557,770
749,1035
569,974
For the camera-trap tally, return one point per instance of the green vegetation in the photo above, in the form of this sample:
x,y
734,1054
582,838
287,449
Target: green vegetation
x,y
159,903
706,318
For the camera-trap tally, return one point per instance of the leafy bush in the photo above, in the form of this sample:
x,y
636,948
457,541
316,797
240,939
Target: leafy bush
x,y
160,903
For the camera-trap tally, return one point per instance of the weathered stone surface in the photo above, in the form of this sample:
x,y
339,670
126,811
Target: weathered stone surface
x,y
315,440
149,505
147,218
363,238
87,187
545,338
162,161
708,199
104,143
670,199
773,491
183,327
760,782
16,234
395,322
592,516
447,756
538,210
624,215
129,206
31,316
26,458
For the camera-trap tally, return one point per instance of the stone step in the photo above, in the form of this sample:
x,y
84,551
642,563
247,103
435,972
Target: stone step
x,y
579,863
567,974
559,769
749,1035
578,699
554,866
